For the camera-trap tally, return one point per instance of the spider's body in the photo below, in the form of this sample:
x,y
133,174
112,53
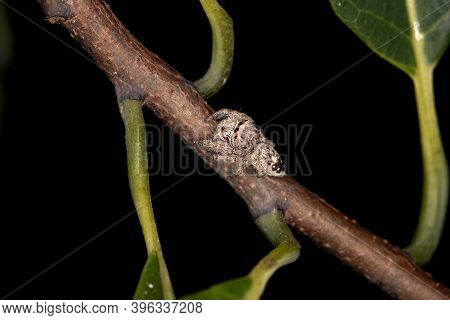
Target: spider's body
x,y
238,141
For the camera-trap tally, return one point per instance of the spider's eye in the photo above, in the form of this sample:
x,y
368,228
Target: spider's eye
x,y
238,126
278,167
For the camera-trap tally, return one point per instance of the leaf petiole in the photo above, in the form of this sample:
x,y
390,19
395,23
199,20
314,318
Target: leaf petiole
x,y
136,143
251,286
435,172
222,49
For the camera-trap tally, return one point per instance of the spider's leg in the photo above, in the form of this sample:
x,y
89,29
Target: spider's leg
x,y
240,171
220,115
225,113
221,153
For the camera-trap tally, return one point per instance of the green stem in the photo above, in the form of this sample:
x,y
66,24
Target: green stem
x,y
252,286
276,230
136,143
287,250
222,49
435,172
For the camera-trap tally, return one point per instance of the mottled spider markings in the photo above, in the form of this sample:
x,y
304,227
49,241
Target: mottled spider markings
x,y
237,140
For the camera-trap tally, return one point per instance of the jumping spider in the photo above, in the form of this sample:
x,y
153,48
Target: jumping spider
x,y
238,141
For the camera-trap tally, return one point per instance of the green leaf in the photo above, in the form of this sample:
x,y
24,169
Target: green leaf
x,y
222,49
252,285
150,286
234,289
155,273
412,35
404,32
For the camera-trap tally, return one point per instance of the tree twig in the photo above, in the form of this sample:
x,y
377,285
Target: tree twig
x,y
139,74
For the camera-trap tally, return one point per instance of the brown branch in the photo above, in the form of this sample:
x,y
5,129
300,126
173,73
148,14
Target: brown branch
x,y
138,73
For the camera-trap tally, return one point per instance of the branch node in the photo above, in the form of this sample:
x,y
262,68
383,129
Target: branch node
x,y
57,11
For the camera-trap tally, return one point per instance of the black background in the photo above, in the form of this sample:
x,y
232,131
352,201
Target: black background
x,y
63,168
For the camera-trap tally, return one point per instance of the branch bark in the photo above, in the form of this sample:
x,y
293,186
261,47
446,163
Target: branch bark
x,y
137,73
